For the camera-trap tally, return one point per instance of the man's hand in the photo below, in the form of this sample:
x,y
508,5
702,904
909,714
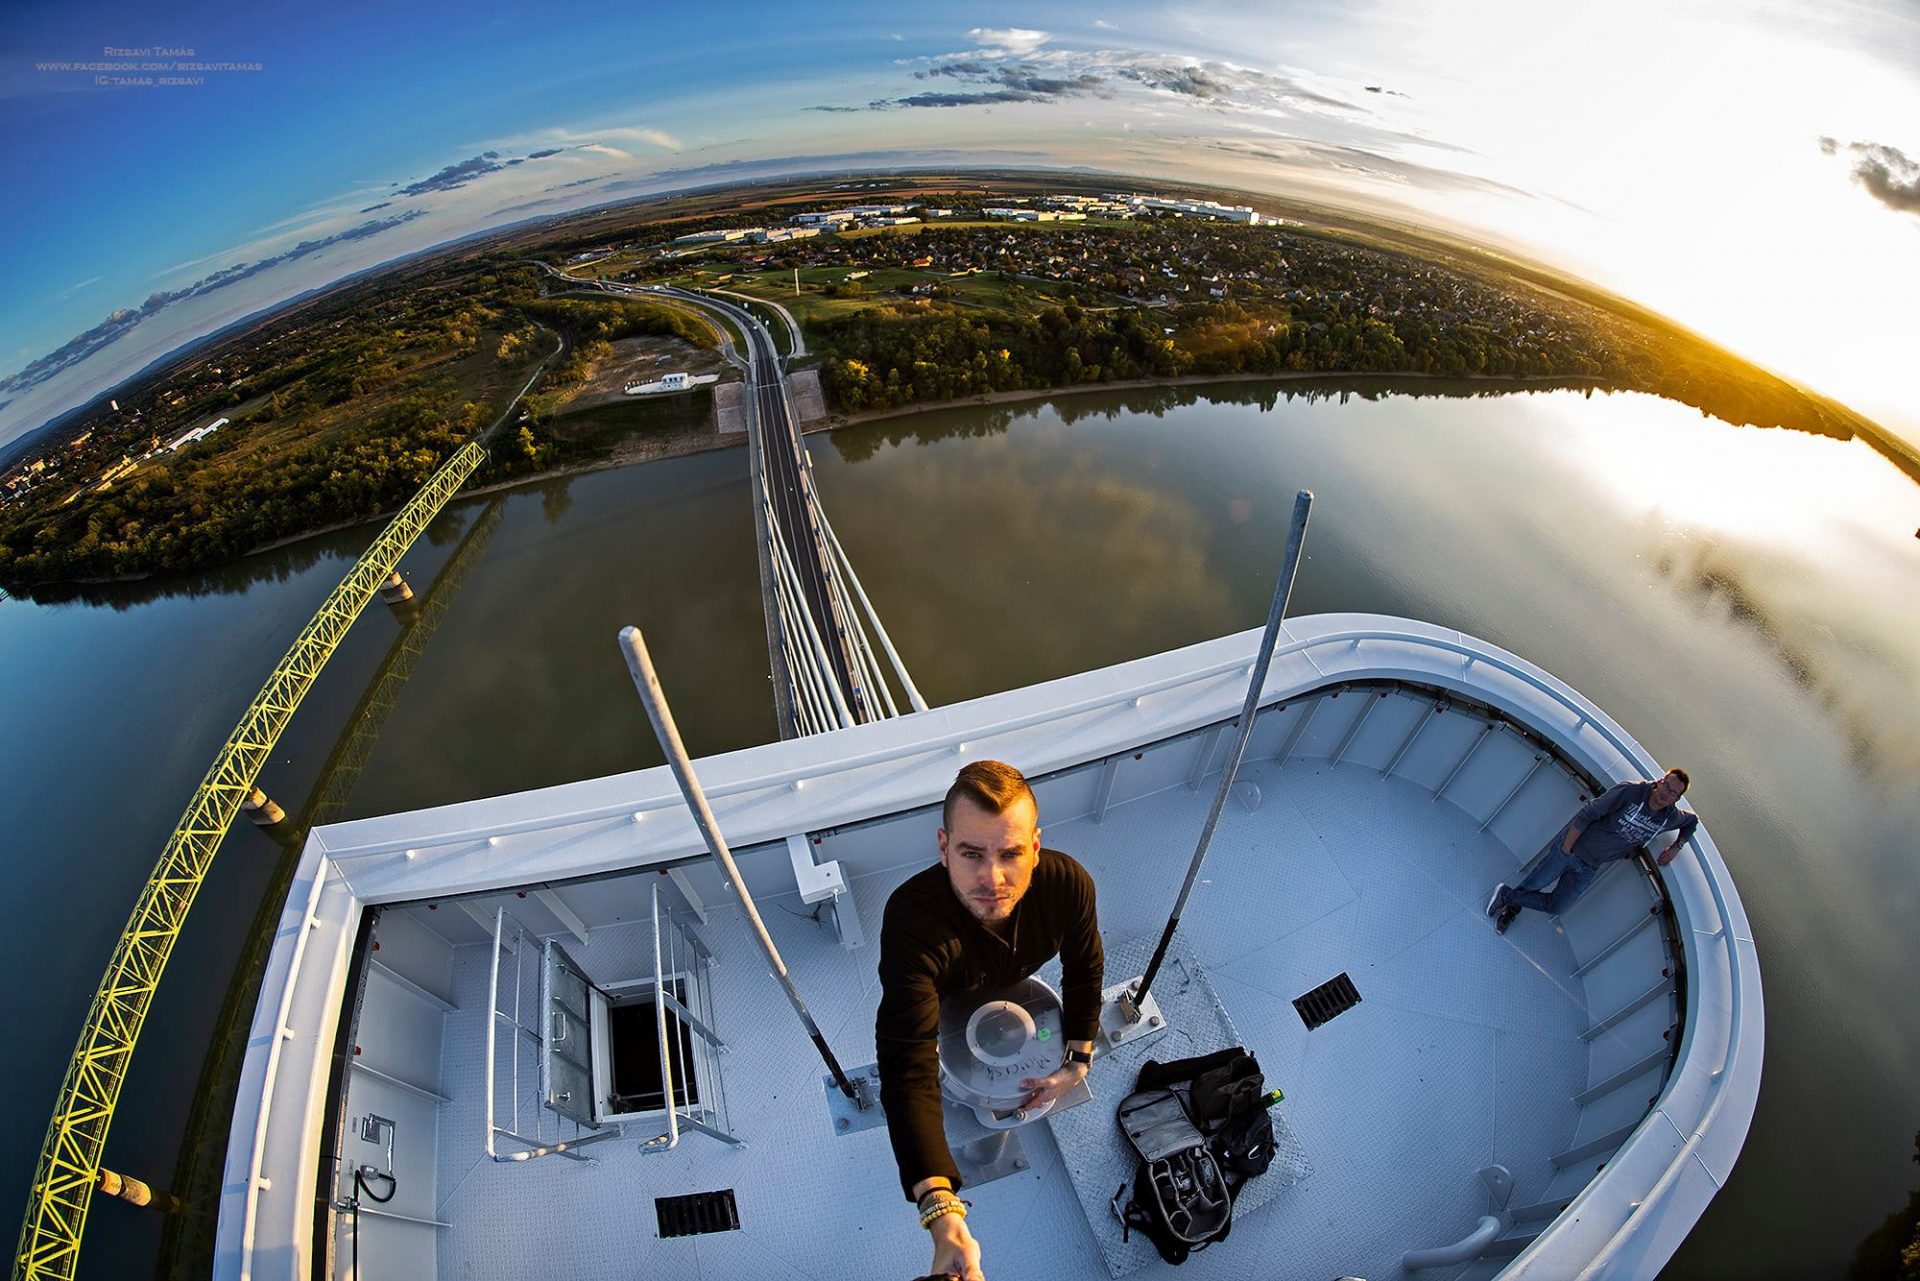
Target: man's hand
x,y
1670,853
1048,1088
955,1252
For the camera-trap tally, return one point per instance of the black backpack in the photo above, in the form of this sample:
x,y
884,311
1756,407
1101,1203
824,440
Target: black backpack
x,y
1201,1130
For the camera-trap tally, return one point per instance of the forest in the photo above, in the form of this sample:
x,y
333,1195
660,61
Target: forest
x,y
336,418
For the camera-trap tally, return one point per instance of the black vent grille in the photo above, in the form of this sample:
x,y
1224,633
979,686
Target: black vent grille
x,y
689,1216
1334,997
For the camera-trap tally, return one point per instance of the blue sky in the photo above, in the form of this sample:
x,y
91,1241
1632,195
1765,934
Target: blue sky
x,y
1744,167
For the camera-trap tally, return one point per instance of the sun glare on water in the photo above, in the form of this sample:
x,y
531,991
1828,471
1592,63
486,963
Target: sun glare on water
x,y
1770,487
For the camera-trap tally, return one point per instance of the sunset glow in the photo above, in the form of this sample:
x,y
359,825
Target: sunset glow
x,y
1746,169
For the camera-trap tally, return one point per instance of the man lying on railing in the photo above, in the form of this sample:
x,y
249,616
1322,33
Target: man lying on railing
x,y
991,912
1610,826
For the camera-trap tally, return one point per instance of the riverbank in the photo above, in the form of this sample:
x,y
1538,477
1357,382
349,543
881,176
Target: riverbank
x,y
636,449
1536,382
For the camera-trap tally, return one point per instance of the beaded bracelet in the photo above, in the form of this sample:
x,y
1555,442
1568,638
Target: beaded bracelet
x,y
952,1205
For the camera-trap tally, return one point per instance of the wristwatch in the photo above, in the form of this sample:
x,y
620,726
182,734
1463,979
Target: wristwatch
x,y
1081,1057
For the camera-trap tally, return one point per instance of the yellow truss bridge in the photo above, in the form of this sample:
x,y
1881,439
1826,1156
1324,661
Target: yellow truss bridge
x,y
69,1168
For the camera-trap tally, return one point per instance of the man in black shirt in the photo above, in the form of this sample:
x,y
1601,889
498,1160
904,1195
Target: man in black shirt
x,y
991,912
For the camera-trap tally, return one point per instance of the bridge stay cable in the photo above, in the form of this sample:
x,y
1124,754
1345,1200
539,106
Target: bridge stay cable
x,y
827,622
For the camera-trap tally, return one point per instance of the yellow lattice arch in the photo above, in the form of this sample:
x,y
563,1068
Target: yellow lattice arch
x,y
69,1166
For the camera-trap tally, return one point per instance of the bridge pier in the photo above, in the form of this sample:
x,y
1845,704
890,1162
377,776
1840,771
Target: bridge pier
x,y
399,598
134,1192
263,810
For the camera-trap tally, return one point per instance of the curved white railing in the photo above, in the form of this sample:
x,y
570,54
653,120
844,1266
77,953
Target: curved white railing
x,y
1238,668
255,1182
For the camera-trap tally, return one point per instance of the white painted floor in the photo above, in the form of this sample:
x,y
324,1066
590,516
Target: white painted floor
x,y
1465,1050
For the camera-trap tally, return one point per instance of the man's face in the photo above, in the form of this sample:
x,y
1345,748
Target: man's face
x,y
1666,791
990,857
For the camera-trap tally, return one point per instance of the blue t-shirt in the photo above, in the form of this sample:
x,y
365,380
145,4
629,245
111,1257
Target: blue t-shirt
x,y
1620,820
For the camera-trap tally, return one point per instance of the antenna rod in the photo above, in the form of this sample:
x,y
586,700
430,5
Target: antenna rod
x,y
647,681
1296,538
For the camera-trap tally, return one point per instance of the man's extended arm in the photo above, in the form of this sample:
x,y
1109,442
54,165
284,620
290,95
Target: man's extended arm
x,y
906,1033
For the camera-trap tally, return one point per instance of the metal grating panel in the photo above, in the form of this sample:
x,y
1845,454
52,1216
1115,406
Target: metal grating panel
x,y
702,1212
1334,997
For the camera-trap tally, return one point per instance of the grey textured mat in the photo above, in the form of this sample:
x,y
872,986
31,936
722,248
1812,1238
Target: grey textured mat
x,y
1096,1155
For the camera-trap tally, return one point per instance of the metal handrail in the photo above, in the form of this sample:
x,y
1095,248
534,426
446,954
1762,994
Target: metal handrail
x,y
671,1139
1716,1084
945,743
534,1147
1471,1246
271,1072
77,1132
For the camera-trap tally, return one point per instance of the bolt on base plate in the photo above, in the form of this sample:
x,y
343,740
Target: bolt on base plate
x,y
1116,1029
850,1116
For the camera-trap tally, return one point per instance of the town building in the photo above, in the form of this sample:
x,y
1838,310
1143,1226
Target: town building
x,y
1199,209
726,234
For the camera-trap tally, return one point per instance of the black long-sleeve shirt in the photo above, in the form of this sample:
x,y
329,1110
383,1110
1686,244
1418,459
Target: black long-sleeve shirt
x,y
931,946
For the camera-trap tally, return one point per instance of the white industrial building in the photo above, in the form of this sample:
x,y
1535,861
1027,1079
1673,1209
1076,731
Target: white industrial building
x,y
186,438
671,382
1199,209
728,234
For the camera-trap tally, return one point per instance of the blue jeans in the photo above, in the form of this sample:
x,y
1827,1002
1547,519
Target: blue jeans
x,y
1573,875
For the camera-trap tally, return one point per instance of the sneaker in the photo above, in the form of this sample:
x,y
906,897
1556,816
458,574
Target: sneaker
x,y
1502,921
1499,899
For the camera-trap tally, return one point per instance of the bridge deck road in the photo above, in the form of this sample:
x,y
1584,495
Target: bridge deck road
x,y
778,453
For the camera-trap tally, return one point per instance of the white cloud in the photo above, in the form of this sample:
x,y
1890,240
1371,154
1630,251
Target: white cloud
x,y
602,149
304,218
201,261
1104,25
585,137
71,290
641,133
1008,40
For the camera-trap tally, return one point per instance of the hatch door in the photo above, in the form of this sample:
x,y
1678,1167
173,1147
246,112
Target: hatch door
x,y
566,1046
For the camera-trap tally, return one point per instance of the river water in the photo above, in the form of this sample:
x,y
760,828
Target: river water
x,y
1742,600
